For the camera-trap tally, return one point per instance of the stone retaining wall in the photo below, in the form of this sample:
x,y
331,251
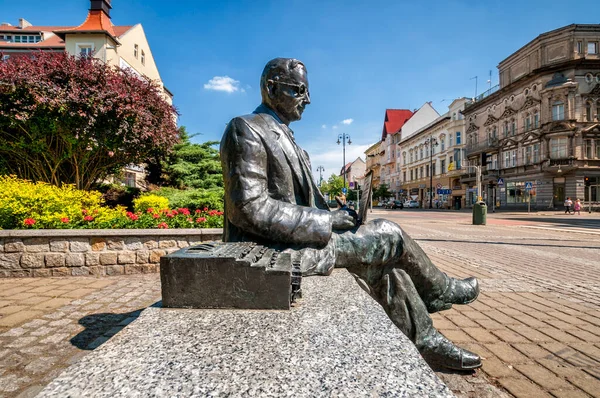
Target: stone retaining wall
x,y
38,253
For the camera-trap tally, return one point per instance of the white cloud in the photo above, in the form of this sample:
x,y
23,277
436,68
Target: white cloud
x,y
347,121
324,126
224,83
334,127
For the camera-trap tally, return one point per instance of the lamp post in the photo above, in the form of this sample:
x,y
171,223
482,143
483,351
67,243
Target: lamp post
x,y
342,138
320,169
432,142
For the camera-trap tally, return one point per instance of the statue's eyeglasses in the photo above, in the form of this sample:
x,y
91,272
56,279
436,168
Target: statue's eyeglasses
x,y
300,89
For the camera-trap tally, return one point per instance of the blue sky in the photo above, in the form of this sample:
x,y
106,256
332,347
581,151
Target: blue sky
x,y
362,56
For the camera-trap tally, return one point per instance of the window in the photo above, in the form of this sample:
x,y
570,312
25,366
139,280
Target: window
x,y
527,122
450,141
494,162
421,172
458,137
427,170
588,111
536,153
558,111
443,143
597,149
84,49
421,153
513,127
506,159
536,120
513,155
589,78
404,176
404,158
143,58
592,47
442,166
411,156
411,175
558,148
505,129
528,154
589,149
427,151
135,50
580,47
130,180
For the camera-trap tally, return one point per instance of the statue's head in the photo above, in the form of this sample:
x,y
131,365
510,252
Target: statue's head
x,y
284,88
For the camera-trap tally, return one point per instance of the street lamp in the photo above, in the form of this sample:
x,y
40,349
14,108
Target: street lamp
x,y
342,138
320,169
431,142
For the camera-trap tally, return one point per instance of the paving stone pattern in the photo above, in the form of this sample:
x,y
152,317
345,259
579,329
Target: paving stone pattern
x,y
536,323
48,323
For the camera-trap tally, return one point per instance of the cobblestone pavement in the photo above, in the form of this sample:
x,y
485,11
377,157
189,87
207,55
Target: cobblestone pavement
x,y
537,320
536,323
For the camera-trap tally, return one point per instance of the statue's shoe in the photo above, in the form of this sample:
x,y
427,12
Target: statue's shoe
x,y
438,351
458,291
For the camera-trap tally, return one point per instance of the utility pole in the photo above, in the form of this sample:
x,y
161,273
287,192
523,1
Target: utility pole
x,y
320,169
432,143
342,138
475,77
478,177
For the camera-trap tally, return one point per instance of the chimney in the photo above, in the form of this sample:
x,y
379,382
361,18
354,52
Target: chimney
x,y
101,5
23,23
5,24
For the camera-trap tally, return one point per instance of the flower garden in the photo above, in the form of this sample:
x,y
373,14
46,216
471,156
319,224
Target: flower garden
x,y
28,205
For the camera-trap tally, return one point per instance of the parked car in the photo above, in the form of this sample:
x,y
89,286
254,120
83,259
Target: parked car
x,y
394,204
413,204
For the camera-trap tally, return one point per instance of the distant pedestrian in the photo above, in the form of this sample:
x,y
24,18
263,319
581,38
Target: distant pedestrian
x,y
577,207
568,205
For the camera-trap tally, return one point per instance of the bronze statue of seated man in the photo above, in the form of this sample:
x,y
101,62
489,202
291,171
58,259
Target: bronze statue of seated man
x,y
272,199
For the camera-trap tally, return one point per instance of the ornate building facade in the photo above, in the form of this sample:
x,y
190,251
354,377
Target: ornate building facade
x,y
540,129
431,160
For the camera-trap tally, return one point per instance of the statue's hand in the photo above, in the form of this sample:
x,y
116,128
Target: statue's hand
x,y
342,220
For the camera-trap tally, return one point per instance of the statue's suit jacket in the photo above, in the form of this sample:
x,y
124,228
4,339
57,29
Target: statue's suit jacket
x,y
270,195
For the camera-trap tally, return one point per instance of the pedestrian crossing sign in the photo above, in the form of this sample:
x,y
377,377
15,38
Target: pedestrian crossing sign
x,y
528,185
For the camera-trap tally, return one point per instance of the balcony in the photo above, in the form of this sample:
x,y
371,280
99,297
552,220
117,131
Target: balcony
x,y
489,144
570,161
482,96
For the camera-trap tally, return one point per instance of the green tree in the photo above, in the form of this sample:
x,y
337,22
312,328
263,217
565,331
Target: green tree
x,y
382,192
187,165
333,186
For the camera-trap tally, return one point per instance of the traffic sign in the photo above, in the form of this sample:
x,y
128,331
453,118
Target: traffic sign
x,y
528,186
500,182
444,191
344,190
439,186
352,185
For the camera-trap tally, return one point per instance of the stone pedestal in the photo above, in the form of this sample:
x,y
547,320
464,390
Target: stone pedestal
x,y
335,342
226,275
